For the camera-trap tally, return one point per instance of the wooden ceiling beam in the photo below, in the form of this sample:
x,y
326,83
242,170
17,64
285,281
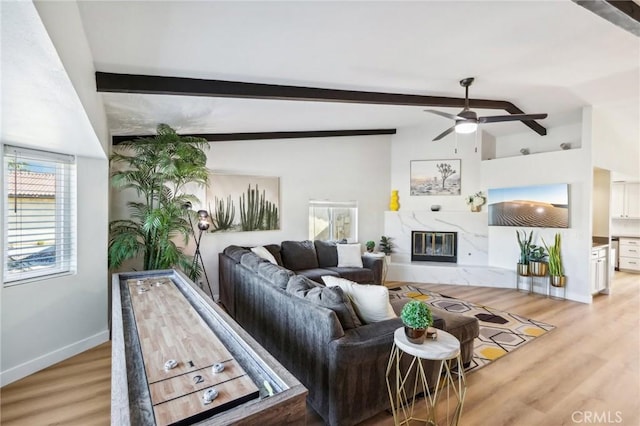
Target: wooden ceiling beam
x,y
162,85
224,137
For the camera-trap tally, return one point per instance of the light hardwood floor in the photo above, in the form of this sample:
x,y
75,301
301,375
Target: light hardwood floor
x,y
587,371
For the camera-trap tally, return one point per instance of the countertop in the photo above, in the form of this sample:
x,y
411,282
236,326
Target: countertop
x,y
625,236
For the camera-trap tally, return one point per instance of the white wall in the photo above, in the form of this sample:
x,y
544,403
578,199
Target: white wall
x,y
601,200
547,168
46,321
414,143
336,169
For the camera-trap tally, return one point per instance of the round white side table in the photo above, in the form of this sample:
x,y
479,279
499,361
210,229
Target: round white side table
x,y
446,350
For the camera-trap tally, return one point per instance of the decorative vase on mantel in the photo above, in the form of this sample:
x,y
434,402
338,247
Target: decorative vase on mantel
x,y
394,203
475,209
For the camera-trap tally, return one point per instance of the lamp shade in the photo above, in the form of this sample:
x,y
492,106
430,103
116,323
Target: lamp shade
x,y
466,126
203,214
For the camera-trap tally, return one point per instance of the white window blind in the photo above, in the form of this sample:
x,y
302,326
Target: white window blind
x,y
39,214
333,220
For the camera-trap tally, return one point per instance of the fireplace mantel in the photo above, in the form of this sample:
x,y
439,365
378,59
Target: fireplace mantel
x,y
472,266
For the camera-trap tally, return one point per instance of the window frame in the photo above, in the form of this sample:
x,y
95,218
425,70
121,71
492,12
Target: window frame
x,y
332,206
64,213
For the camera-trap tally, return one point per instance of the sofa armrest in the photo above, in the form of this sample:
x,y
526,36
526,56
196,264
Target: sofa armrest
x,y
375,264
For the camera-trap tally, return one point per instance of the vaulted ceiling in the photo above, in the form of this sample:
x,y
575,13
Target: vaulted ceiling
x,y
543,56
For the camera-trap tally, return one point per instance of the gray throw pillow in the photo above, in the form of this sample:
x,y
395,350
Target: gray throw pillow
x,y
327,253
329,297
275,274
298,255
252,260
235,252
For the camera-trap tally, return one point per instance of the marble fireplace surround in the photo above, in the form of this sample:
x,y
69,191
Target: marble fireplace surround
x,y
473,242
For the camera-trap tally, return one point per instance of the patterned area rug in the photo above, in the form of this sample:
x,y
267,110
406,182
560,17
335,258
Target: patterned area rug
x,y
500,332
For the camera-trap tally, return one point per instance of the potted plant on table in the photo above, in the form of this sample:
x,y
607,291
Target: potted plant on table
x,y
416,317
525,245
556,269
537,264
386,246
370,245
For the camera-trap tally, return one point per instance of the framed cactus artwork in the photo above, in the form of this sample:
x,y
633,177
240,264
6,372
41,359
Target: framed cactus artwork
x,y
240,203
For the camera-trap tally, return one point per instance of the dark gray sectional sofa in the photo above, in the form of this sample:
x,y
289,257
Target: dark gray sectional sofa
x,y
306,326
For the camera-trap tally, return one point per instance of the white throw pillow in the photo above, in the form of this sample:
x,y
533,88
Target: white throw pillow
x,y
349,255
264,253
371,302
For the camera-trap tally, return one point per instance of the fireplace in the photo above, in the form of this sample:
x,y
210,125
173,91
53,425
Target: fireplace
x,y
433,246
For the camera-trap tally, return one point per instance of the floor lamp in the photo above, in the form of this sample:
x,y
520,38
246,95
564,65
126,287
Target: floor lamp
x,y
203,225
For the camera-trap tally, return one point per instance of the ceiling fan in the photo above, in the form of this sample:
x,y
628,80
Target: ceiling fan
x,y
467,120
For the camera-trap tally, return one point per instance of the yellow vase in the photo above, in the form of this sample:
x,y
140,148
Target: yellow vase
x,y
394,203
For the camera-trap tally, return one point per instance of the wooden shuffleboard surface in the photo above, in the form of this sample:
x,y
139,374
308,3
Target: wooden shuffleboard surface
x,y
169,328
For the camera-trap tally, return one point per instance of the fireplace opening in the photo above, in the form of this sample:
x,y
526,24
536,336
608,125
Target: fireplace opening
x,y
433,246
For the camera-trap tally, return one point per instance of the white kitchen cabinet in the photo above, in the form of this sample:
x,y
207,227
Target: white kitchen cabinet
x,y
629,257
625,200
599,269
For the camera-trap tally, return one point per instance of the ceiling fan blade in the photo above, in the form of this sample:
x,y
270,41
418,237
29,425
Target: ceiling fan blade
x,y
444,114
511,117
445,133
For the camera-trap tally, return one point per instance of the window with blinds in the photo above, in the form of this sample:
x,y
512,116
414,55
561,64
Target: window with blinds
x,y
333,220
39,214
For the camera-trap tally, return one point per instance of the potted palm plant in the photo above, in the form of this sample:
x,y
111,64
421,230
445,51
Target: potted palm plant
x,y
157,168
556,270
525,243
416,317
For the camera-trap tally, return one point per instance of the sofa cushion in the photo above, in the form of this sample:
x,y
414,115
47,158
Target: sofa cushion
x,y
275,274
329,297
274,249
359,275
235,252
265,254
349,255
371,302
252,260
327,253
298,255
316,274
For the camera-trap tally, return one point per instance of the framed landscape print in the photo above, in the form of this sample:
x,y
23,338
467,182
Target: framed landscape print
x,y
238,203
543,206
435,177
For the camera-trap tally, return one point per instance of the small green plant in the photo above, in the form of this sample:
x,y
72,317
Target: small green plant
x,y
370,245
537,253
555,257
525,243
416,314
386,246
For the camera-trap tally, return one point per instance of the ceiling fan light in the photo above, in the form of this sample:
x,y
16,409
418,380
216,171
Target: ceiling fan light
x,y
466,127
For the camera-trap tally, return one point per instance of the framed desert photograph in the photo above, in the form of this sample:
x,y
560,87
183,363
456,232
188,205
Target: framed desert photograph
x,y
545,206
435,177
240,203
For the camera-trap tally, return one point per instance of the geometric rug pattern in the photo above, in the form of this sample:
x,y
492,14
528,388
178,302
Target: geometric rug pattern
x,y
500,332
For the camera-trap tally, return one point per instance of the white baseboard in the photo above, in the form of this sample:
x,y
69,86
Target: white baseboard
x,y
23,370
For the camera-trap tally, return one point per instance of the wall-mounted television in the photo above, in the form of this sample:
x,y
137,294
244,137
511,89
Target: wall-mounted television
x,y
543,206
